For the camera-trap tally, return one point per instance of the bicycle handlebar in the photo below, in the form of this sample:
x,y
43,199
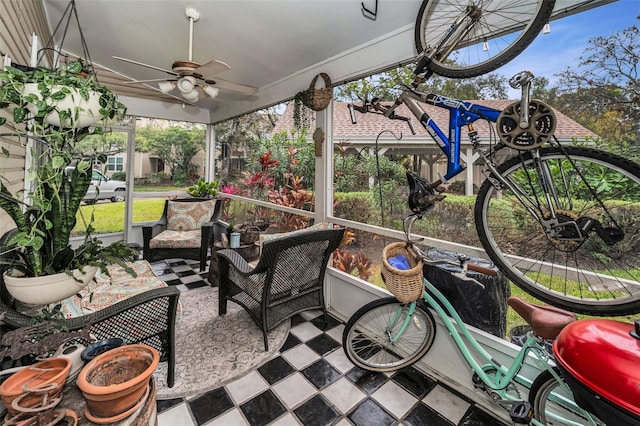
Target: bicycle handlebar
x,y
463,260
377,108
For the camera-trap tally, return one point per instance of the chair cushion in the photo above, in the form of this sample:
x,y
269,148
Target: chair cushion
x,y
176,239
189,216
104,291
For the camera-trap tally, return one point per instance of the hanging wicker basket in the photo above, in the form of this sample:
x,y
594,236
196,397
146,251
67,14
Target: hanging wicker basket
x,y
405,285
318,99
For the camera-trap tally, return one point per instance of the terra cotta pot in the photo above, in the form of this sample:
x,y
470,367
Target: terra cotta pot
x,y
54,370
115,381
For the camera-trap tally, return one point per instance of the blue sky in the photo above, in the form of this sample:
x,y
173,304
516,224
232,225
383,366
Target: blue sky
x,y
554,52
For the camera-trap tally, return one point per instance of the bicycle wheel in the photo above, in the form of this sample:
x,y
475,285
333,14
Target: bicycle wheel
x,y
553,403
367,336
491,33
579,248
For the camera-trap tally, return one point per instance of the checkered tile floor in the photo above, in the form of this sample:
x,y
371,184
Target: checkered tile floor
x,y
311,382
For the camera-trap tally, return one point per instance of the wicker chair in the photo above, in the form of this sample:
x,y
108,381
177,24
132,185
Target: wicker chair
x,y
148,318
184,231
289,277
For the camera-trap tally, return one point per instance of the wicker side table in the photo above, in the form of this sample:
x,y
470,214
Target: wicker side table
x,y
249,252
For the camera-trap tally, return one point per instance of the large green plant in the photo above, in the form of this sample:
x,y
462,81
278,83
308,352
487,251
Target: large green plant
x,y
45,214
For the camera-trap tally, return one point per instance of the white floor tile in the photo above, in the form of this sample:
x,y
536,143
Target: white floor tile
x,y
339,360
293,390
395,399
343,394
287,420
300,356
246,387
446,403
309,315
178,415
232,418
336,332
305,331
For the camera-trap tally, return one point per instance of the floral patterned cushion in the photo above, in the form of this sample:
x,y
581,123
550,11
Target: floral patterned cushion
x,y
176,239
105,291
189,216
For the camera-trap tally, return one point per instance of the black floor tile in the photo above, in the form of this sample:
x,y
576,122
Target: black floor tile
x,y
316,412
323,344
414,382
297,319
173,282
165,404
275,370
210,405
321,374
423,415
477,417
369,413
185,273
263,409
197,284
367,381
292,341
331,322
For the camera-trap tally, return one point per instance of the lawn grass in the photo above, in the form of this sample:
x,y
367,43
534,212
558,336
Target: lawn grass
x,y
109,217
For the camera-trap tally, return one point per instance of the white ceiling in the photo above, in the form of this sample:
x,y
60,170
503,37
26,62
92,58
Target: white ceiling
x,y
275,45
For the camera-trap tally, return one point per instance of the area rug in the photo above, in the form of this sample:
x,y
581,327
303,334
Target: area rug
x,y
213,350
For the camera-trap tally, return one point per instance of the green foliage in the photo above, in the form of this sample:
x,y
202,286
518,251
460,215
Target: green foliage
x,y
294,154
175,146
45,220
203,189
354,206
119,176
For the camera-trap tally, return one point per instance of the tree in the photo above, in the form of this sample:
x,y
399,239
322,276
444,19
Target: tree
x,y
603,91
176,146
388,85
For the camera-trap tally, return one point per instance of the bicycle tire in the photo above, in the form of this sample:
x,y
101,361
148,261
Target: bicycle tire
x,y
436,17
580,273
546,395
366,343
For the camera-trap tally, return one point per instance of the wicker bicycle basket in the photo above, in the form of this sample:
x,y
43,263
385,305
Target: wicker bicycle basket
x,y
318,99
405,285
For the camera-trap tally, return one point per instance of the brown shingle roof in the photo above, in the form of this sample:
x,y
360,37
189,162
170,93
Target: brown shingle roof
x,y
370,125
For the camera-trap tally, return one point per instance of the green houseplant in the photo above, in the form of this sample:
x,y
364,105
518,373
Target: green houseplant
x,y
60,175
202,189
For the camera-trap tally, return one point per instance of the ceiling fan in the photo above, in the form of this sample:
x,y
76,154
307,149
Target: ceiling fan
x,y
189,77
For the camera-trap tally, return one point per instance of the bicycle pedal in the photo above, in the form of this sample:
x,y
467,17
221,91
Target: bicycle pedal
x,y
521,412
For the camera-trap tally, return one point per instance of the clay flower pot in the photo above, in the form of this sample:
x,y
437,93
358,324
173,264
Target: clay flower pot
x,y
116,382
50,371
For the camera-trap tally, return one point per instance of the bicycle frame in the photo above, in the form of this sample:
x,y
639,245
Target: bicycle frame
x,y
468,346
461,113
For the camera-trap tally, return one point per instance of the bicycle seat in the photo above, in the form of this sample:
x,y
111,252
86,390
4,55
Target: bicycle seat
x,y
546,321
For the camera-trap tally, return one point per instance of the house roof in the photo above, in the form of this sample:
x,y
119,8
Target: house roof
x,y
370,125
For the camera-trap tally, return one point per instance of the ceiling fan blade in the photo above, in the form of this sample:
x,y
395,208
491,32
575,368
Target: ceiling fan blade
x,y
242,88
212,68
153,80
131,61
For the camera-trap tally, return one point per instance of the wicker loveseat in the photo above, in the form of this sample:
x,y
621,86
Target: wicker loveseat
x,y
185,230
148,318
289,277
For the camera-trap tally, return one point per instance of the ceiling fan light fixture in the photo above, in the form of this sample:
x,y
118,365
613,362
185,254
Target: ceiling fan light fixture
x,y
186,84
166,86
211,91
191,96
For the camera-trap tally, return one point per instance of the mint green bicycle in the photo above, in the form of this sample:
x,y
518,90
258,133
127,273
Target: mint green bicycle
x,y
387,335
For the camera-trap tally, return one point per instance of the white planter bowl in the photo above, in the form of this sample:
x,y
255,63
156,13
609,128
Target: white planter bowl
x,y
48,288
88,110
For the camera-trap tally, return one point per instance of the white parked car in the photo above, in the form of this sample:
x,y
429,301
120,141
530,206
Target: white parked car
x,y
103,188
